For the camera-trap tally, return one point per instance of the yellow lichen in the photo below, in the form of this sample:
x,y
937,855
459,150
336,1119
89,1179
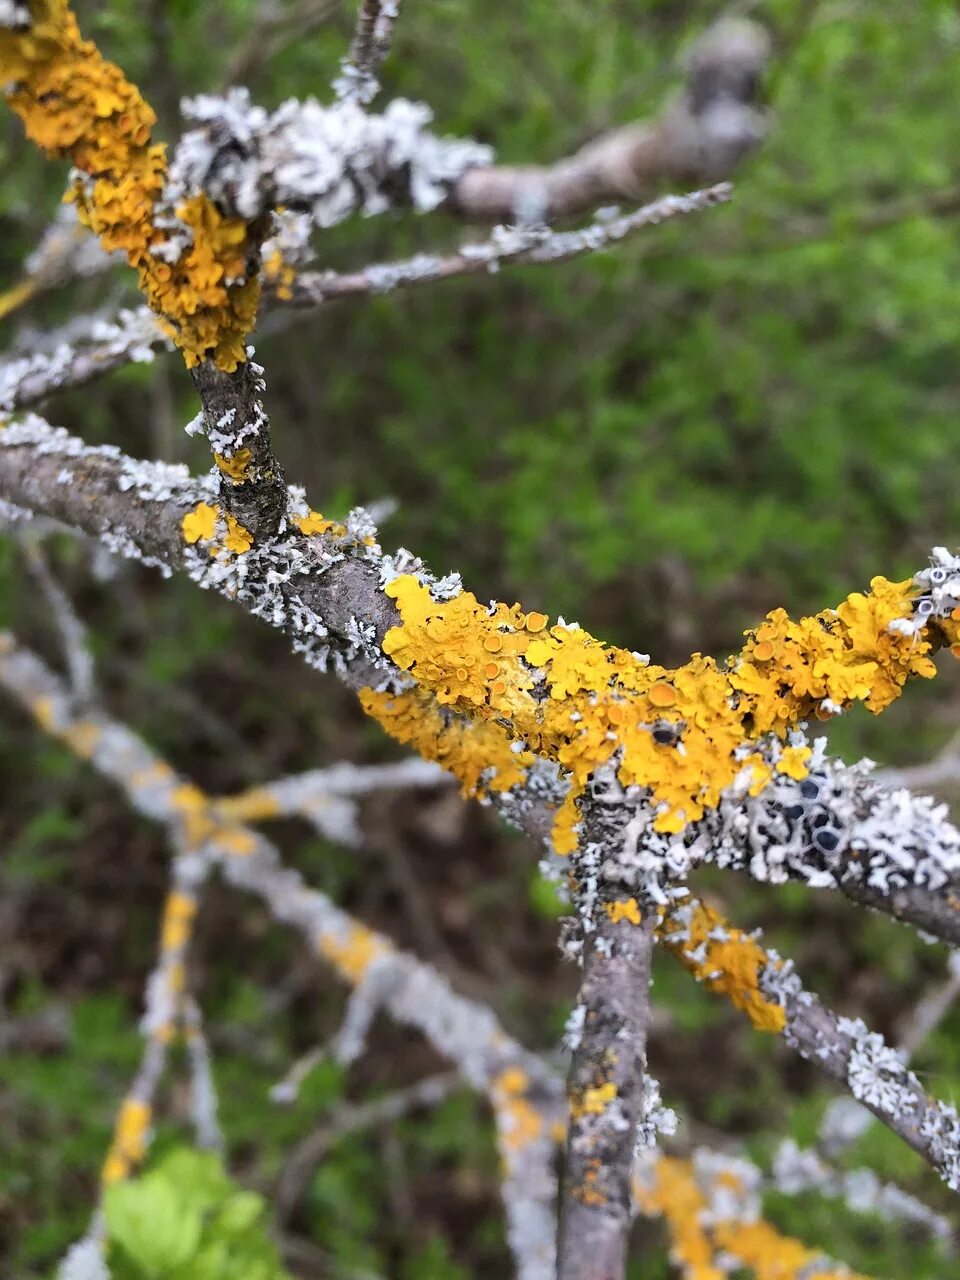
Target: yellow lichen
x,y
313,522
238,539
675,1196
730,965
520,1122
235,467
479,754
566,696
200,523
772,1256
593,1101
250,806
178,915
279,274
352,954
129,1144
76,104
625,909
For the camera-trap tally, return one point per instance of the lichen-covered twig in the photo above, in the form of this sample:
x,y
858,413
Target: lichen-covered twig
x,y
371,44
507,246
796,1171
72,632
613,1103
327,797
107,345
323,584
608,1099
711,1203
768,990
525,1094
136,336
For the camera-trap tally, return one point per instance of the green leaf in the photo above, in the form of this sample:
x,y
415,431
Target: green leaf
x,y
155,1226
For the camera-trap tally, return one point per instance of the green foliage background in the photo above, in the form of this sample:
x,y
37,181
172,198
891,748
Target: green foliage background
x,y
754,407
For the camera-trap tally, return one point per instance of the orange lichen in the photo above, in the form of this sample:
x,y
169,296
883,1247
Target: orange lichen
x,y
250,806
129,1143
74,103
238,539
730,965
566,696
352,954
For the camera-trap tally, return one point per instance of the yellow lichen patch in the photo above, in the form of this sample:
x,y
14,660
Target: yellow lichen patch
x,y
593,1101
16,296
772,1256
588,1192
200,523
519,1121
178,915
353,953
279,274
82,738
129,1144
75,104
624,909
479,754
234,840
238,539
731,964
674,1195
249,806
235,467
44,713
568,697
313,523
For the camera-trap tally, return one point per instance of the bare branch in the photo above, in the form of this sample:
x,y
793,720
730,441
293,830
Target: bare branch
x,y
700,136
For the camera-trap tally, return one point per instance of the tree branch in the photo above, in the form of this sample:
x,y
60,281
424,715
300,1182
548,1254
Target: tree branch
x,y
699,136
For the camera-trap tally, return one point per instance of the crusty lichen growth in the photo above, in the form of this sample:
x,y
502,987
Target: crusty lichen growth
x,y
726,960
76,104
560,693
769,1255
